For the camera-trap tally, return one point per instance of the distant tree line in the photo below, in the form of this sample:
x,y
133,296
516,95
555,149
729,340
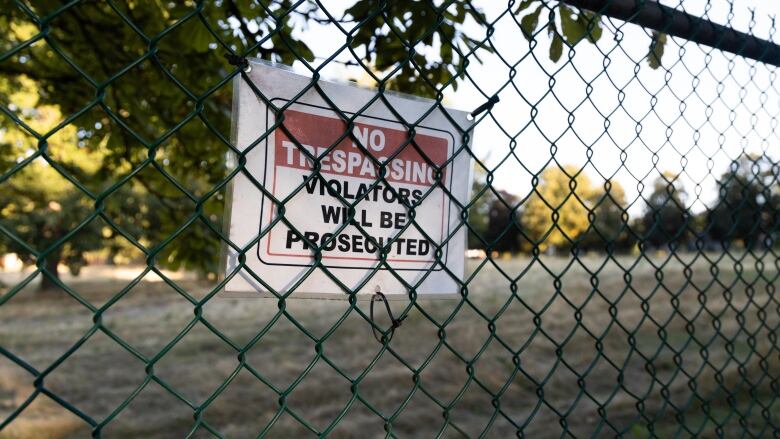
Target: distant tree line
x,y
566,211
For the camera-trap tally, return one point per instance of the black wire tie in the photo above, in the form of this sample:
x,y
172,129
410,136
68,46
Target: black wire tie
x,y
238,61
394,323
487,106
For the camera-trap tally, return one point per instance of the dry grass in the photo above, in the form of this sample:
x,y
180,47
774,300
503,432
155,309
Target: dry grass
x,y
638,378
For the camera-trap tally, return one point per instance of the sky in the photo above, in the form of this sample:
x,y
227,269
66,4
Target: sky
x,y
691,118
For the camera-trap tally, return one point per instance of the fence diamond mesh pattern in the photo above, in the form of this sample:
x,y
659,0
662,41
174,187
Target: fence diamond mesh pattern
x,y
624,218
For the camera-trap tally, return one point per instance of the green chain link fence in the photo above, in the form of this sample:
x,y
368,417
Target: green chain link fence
x,y
624,213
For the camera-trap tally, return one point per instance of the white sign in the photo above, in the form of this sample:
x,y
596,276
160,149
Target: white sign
x,y
378,190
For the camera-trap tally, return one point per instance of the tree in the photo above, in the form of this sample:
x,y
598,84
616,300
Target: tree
x,y
479,211
771,195
36,203
744,210
609,230
146,85
772,214
556,213
665,222
503,234
493,217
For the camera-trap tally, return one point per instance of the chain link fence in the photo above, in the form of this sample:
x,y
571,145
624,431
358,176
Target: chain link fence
x,y
622,224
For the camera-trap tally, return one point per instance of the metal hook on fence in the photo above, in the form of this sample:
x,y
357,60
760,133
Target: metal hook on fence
x,y
394,323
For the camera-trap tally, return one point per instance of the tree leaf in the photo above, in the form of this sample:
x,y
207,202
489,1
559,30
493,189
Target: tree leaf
x,y
556,47
530,22
656,53
446,52
556,42
576,26
199,37
359,10
523,6
571,28
589,19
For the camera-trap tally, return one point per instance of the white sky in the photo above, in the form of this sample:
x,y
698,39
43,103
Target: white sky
x,y
714,104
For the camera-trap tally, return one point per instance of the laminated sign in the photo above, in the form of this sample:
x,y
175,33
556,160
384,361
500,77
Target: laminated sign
x,y
344,190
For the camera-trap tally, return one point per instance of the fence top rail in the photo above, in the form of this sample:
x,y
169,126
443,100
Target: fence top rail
x,y
677,23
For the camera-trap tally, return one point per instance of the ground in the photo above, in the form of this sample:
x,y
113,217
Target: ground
x,y
663,345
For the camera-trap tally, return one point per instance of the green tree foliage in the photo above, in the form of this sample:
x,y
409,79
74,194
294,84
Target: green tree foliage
x,y
37,204
493,217
568,25
556,213
391,35
479,212
148,86
772,212
609,220
773,217
744,211
567,210
665,222
504,229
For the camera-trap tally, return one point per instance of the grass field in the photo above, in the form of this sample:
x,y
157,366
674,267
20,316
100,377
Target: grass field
x,y
689,349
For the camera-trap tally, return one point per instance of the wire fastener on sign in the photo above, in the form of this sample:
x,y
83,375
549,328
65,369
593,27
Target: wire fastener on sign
x,y
394,323
238,61
487,106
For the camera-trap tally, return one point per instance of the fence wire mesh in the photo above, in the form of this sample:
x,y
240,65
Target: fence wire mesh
x,y
624,218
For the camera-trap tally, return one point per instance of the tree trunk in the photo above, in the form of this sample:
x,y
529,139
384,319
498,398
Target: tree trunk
x,y
47,283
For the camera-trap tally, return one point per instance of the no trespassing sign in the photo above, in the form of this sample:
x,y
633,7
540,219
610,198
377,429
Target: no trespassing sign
x,y
331,203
